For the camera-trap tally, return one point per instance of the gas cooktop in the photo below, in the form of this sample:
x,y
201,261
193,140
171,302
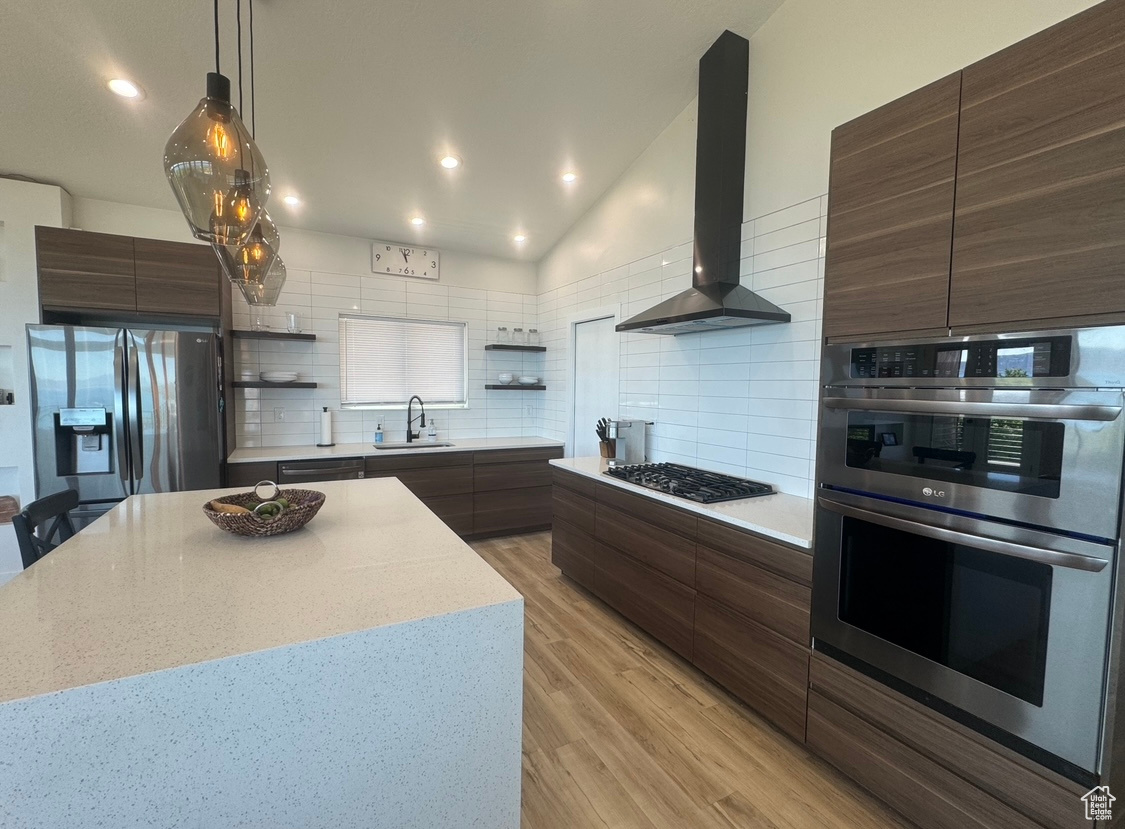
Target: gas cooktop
x,y
688,482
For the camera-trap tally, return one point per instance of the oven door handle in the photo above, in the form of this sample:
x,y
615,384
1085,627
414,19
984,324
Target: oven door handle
x,y
1054,558
1024,411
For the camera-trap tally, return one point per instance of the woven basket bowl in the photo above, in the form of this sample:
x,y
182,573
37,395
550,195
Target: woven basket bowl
x,y
303,505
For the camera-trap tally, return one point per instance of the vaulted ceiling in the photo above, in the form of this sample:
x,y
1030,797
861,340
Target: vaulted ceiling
x,y
357,101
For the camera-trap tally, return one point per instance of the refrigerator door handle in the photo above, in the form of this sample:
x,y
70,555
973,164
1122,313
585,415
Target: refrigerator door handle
x,y
119,435
136,448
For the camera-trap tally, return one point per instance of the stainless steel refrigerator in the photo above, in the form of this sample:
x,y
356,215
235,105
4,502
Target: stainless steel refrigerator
x,y
124,411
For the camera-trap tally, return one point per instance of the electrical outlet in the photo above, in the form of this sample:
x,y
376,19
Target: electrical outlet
x,y
530,411
278,414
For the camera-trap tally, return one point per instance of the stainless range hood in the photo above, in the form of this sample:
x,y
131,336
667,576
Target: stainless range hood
x,y
716,300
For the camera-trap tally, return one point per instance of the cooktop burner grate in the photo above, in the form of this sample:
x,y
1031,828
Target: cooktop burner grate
x,y
688,482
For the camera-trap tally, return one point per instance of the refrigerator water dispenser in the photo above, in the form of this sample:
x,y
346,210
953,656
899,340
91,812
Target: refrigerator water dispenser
x,y
84,441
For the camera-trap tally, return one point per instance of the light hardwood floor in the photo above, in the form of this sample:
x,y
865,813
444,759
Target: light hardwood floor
x,y
620,732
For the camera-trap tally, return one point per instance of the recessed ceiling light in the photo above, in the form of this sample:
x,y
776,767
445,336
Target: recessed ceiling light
x,y
451,161
417,221
291,200
124,88
519,237
568,177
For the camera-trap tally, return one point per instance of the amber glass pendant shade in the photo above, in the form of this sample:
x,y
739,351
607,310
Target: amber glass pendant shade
x,y
217,172
251,261
268,290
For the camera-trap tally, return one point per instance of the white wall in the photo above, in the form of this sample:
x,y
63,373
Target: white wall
x,y
818,63
814,65
329,275
743,401
22,206
305,250
740,401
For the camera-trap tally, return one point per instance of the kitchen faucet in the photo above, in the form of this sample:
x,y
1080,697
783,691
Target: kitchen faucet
x,y
410,434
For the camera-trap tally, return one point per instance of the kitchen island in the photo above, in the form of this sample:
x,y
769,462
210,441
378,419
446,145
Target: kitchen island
x,y
362,671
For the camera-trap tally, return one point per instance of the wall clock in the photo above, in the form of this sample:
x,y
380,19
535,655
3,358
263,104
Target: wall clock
x,y
403,260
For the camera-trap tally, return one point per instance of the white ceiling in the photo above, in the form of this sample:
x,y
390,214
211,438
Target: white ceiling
x,y
357,101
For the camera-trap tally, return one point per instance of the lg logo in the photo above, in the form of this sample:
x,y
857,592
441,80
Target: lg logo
x,y
933,493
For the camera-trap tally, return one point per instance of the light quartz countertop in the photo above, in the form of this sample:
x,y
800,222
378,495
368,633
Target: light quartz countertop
x,y
787,518
153,585
352,450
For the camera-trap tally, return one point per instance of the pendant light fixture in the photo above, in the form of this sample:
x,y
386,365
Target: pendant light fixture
x,y
251,265
217,172
268,290
251,261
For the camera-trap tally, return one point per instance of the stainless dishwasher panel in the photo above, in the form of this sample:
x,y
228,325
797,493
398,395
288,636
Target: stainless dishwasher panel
x,y
336,469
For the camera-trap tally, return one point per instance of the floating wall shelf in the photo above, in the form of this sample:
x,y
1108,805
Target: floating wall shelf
x,y
506,347
270,335
260,384
516,387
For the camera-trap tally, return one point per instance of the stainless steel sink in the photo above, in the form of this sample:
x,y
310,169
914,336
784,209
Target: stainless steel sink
x,y
418,444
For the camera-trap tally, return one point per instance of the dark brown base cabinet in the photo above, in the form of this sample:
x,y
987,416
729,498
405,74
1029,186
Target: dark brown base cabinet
x,y
935,771
477,494
733,603
737,606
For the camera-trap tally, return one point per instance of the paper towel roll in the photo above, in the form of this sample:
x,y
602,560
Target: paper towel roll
x,y
325,428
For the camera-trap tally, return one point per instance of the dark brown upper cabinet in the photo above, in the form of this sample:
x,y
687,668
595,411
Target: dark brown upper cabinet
x,y
78,269
890,215
1040,214
177,278
83,271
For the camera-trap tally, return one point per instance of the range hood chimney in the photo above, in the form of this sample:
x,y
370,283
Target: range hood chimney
x,y
716,301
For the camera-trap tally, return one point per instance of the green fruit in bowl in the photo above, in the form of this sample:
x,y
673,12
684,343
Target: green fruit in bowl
x,y
284,504
268,509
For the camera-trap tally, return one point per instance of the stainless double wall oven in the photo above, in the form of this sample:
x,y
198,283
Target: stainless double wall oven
x,y
968,526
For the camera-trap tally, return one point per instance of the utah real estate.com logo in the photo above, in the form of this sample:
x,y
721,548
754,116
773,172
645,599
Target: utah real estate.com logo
x,y
1099,803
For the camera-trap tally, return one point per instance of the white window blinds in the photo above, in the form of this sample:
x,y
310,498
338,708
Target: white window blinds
x,y
383,361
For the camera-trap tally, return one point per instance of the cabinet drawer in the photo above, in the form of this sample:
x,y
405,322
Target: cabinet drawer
x,y
376,465
791,563
659,605
248,474
511,510
573,552
647,510
667,552
767,672
538,453
571,507
572,480
78,269
929,794
779,604
427,483
518,475
455,510
1041,795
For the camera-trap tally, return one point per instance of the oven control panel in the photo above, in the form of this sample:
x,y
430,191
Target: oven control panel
x,y
1041,357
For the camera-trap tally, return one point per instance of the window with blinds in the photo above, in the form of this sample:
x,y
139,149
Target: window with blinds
x,y
384,361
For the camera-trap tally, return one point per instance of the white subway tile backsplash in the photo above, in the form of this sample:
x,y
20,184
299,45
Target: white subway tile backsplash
x,y
787,216
749,394
741,401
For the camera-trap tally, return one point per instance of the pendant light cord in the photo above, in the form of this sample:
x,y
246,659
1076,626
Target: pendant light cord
x,y
238,24
253,108
217,70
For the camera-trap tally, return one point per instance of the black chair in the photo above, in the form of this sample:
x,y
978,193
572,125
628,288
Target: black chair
x,y
33,544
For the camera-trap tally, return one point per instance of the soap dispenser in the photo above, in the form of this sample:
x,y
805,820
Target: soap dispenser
x,y
379,433
431,433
